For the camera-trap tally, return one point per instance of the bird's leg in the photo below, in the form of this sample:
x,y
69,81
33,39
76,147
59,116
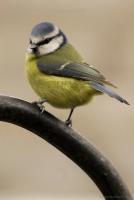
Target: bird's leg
x,y
68,122
40,104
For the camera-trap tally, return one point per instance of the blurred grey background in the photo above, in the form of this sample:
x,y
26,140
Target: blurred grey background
x,y
103,32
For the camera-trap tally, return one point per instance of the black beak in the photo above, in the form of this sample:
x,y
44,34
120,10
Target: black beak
x,y
34,50
33,47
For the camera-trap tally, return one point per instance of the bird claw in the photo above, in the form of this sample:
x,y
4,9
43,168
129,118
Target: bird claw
x,y
68,122
40,106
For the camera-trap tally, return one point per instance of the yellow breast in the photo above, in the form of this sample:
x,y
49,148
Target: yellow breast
x,y
58,91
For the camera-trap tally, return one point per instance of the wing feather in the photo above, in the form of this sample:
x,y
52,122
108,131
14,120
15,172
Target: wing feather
x,y
81,71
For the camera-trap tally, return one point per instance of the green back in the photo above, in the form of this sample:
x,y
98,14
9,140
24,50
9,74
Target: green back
x,y
67,52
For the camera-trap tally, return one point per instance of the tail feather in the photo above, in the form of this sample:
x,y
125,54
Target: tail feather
x,y
110,92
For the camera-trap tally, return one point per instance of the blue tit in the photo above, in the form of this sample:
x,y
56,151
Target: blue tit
x,y
58,73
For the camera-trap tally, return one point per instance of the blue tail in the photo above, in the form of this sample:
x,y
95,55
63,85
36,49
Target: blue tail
x,y
110,92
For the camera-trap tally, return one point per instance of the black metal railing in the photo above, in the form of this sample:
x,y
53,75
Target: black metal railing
x,y
78,149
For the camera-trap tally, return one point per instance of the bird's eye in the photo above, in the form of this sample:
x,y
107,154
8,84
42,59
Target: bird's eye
x,y
46,41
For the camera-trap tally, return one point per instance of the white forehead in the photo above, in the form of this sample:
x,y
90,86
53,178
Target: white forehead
x,y
38,38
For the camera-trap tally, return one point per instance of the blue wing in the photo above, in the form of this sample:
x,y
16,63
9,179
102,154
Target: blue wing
x,y
81,71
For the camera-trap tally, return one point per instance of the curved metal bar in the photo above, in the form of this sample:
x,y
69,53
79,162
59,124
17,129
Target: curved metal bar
x,y
69,142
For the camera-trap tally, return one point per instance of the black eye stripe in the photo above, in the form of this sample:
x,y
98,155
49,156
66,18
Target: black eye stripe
x,y
47,40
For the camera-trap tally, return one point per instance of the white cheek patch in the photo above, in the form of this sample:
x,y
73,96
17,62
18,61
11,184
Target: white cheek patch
x,y
53,45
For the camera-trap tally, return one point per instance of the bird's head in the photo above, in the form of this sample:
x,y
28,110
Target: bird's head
x,y
45,38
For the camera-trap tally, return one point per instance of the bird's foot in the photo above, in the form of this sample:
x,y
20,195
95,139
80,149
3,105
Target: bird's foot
x,y
40,105
68,122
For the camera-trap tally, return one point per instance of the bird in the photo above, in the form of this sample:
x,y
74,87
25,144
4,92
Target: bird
x,y
58,73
